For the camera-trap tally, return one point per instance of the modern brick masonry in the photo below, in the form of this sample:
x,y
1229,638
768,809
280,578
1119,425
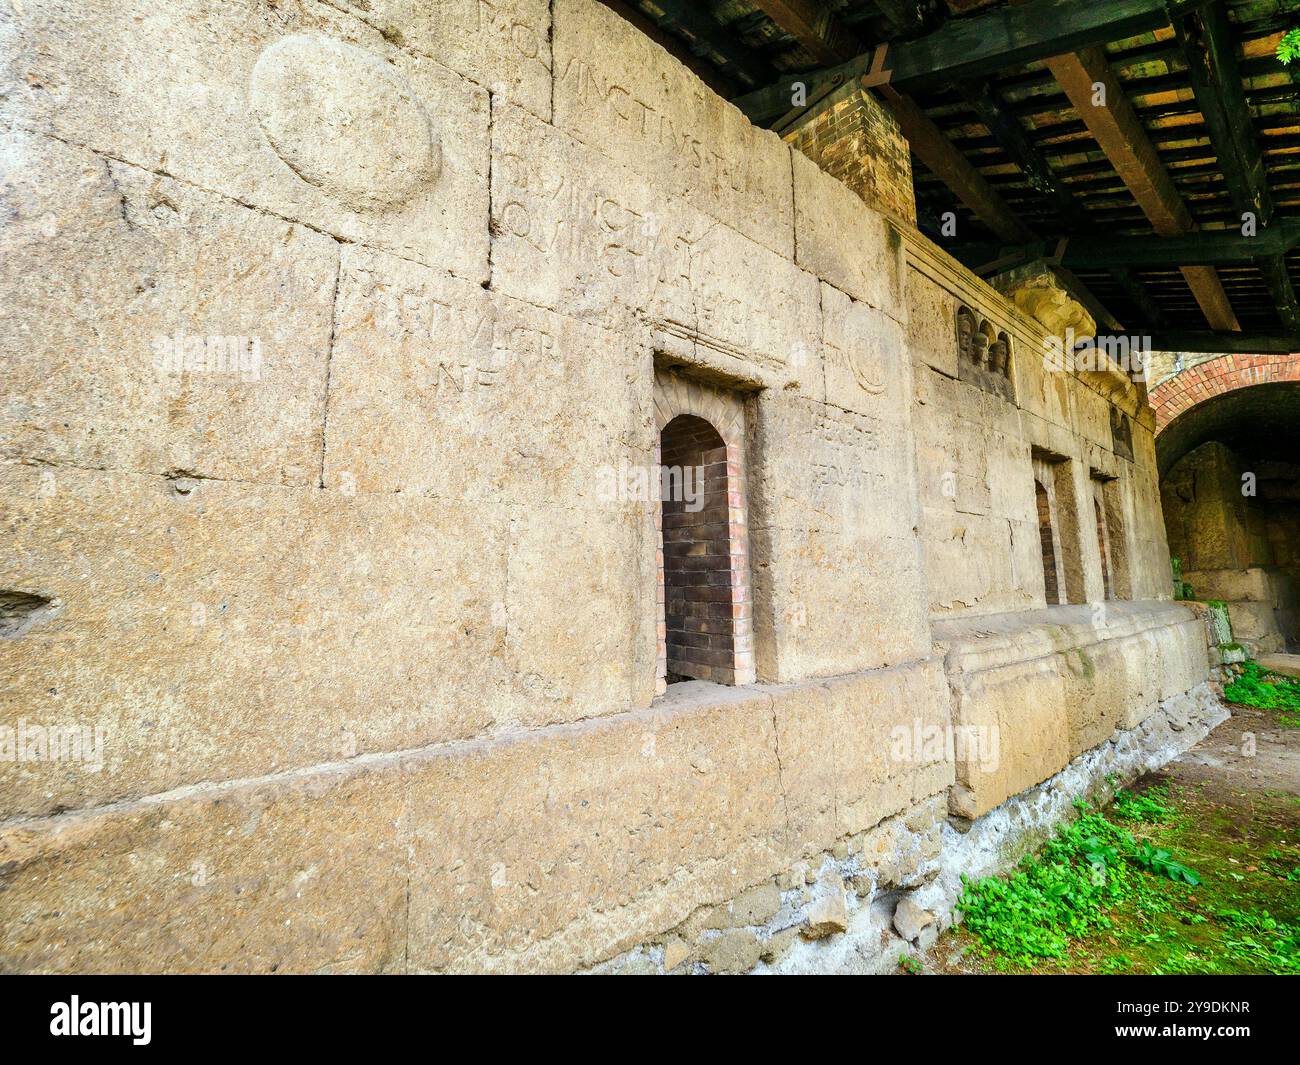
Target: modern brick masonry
x,y
398,663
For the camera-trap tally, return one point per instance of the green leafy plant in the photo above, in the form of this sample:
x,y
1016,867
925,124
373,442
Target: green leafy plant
x,y
1149,807
1065,891
1259,938
909,964
1058,895
1263,690
1162,862
1288,48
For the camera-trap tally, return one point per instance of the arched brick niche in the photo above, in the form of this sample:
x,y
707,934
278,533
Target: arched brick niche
x,y
1047,542
1215,377
1103,546
705,609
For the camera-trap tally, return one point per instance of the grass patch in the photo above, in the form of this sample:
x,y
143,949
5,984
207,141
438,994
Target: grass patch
x,y
1257,687
1159,882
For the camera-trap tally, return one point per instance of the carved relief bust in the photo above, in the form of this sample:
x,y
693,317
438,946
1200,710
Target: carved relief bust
x,y
965,332
1000,354
984,354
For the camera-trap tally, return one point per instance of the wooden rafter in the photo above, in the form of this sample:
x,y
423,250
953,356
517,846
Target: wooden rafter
x,y
1204,247
978,46
1247,343
709,37
1205,37
927,143
1121,136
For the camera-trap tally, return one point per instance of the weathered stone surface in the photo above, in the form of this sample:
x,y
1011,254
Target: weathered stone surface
x,y
438,387
827,915
1039,292
821,501
585,236
626,97
676,953
931,323
299,874
388,148
912,920
863,351
843,767
756,906
503,45
235,630
845,243
734,951
1034,690
565,663
645,816
1287,665
106,346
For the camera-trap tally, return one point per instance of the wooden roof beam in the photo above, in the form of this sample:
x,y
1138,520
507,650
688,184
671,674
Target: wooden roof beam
x,y
1015,142
952,168
975,47
1204,247
1119,132
1224,343
811,24
799,18
1205,37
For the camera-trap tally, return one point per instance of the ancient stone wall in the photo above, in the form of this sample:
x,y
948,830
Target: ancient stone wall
x,y
334,372
1234,524
981,450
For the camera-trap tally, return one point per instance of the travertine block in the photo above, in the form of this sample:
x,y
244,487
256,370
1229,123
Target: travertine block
x,y
582,235
439,387
579,610
159,328
1023,705
299,874
620,93
831,533
931,323
503,45
215,629
844,242
864,356
1052,684
579,842
303,111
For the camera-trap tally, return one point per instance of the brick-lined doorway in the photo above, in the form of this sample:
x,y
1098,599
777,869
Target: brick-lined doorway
x,y
705,624
1044,507
700,631
1103,544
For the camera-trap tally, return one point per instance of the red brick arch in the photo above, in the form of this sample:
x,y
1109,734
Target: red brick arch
x,y
1213,378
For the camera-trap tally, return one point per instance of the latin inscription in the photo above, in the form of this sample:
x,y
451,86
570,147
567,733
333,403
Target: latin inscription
x,y
653,127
